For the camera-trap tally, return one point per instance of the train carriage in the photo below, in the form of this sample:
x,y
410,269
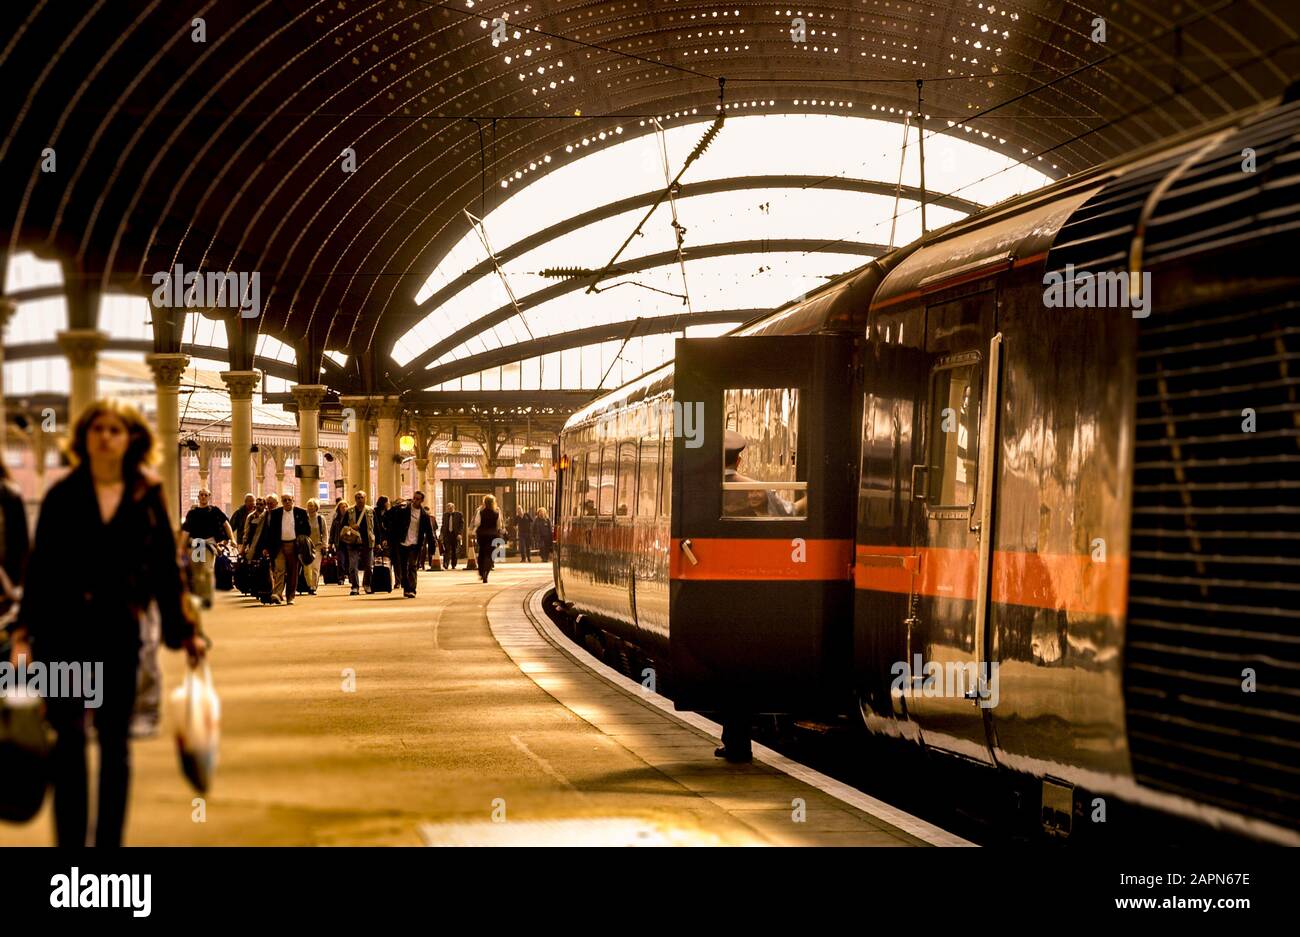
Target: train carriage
x,y
1039,534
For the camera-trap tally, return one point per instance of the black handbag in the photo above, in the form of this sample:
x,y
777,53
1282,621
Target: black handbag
x,y
24,758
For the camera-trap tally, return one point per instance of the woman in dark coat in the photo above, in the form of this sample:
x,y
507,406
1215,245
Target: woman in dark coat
x,y
542,533
488,533
13,530
104,551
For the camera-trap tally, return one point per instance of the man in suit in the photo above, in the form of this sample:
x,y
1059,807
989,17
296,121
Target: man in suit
x,y
453,529
354,548
410,529
279,541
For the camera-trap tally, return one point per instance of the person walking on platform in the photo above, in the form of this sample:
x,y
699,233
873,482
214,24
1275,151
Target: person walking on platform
x,y
253,525
524,528
392,540
356,539
278,543
453,529
208,522
542,533
487,532
241,514
411,529
91,615
316,521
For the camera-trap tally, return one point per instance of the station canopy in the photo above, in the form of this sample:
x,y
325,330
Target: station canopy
x,y
427,189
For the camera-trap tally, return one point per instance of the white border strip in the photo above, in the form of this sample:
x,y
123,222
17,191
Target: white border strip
x,y
869,805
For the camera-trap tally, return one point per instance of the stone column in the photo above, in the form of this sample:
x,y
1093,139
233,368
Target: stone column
x,y
81,346
241,385
390,410
308,397
355,425
420,478
7,310
259,469
205,470
39,443
341,457
167,371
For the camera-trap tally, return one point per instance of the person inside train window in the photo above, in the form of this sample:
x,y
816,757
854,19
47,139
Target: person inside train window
x,y
589,508
751,503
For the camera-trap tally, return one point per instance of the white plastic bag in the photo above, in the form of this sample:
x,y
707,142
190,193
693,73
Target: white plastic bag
x,y
196,713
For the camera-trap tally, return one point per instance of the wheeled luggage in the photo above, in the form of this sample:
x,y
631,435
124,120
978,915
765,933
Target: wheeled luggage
x,y
261,582
24,757
329,569
225,573
381,578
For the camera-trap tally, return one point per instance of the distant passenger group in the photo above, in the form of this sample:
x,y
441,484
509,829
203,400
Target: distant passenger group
x,y
283,551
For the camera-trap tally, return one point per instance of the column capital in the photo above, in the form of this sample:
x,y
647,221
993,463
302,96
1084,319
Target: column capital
x,y
241,383
309,396
7,309
81,345
386,407
167,368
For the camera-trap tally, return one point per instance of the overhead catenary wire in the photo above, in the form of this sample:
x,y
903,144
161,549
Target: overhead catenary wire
x,y
1280,47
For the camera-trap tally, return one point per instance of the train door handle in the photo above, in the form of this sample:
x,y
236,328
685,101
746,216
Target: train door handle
x,y
690,554
920,482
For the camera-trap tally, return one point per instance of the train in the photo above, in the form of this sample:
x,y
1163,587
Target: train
x,y
1025,492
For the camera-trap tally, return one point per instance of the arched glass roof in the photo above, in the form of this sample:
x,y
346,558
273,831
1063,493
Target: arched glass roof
x,y
828,193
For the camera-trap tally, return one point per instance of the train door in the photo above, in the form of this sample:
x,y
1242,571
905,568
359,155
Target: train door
x,y
762,521
953,484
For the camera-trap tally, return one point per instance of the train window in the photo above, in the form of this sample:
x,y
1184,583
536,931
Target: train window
x,y
590,482
605,492
576,484
954,434
647,492
762,476
666,461
623,503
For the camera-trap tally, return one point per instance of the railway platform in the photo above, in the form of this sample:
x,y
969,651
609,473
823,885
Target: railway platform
x,y
470,723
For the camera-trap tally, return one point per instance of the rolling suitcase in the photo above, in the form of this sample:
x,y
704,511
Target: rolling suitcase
x,y
261,580
225,572
381,578
329,569
243,580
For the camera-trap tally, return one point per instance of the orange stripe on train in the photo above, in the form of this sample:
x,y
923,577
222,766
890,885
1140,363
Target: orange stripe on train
x,y
1070,582
781,559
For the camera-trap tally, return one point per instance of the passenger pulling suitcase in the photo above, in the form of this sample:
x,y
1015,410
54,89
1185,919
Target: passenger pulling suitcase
x,y
381,577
